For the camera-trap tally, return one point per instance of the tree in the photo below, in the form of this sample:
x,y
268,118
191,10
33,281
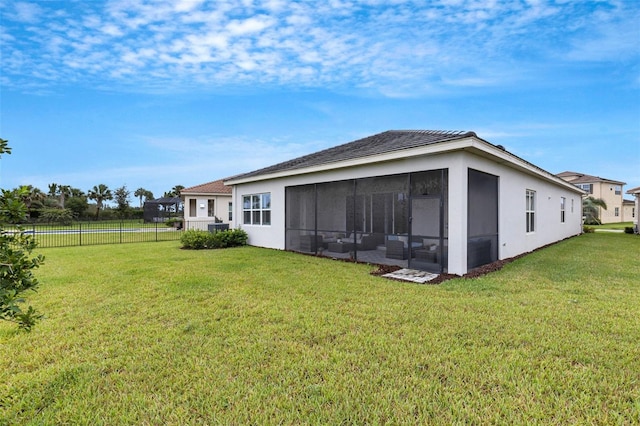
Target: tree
x,y
591,210
16,263
53,189
33,198
78,205
100,193
64,191
175,191
141,192
121,196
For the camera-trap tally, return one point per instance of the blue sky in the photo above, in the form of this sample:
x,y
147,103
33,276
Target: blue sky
x,y
154,94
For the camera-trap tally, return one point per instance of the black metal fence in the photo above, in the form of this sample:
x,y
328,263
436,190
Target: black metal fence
x,y
94,233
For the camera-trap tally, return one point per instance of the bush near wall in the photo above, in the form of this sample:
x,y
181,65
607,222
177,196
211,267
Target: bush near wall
x,y
196,239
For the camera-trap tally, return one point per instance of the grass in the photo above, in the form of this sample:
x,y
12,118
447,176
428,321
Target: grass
x,y
151,334
617,226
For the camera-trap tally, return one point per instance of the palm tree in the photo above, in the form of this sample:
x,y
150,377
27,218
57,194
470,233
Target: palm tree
x,y
53,189
591,209
100,193
64,191
141,192
32,195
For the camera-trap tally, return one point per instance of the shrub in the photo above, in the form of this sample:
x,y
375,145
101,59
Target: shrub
x,y
588,229
196,239
174,221
59,216
628,229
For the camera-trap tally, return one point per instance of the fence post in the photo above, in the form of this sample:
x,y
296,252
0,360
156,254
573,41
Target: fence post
x,y
80,232
120,231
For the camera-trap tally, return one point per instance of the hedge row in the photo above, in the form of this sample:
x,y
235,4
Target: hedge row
x,y
197,239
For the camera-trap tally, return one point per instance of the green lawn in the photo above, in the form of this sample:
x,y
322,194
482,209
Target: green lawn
x,y
151,334
618,226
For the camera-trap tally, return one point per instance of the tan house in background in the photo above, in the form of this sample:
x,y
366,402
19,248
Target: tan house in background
x,y
608,190
207,204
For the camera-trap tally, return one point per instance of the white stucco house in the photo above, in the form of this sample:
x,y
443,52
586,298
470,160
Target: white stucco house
x,y
206,204
439,201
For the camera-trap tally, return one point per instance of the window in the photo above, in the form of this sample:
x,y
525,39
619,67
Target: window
x,y
211,208
193,207
572,205
230,212
616,212
633,212
562,204
586,187
618,189
531,211
256,209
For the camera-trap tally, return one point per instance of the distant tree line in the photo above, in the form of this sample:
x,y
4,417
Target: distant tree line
x,y
65,203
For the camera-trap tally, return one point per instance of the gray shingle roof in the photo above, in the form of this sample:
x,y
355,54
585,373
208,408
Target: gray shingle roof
x,y
381,143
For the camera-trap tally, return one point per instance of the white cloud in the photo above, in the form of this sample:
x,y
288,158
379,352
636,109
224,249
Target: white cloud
x,y
27,12
400,48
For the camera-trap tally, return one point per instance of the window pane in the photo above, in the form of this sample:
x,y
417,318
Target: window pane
x,y
266,201
266,217
247,218
256,217
211,211
246,202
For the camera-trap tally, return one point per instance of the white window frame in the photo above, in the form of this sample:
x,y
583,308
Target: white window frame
x,y
230,211
616,211
256,209
530,211
211,207
563,202
193,207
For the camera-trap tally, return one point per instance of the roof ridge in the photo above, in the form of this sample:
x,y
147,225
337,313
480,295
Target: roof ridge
x,y
380,143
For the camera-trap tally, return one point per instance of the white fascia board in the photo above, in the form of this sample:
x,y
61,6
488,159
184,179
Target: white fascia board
x,y
471,144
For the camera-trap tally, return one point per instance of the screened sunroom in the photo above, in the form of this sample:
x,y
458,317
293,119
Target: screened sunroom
x,y
398,219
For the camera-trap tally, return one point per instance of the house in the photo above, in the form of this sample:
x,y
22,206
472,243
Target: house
x,y
207,204
606,189
636,207
439,201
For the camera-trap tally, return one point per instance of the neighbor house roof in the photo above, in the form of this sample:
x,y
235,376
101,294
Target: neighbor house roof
x,y
576,178
634,190
381,143
215,187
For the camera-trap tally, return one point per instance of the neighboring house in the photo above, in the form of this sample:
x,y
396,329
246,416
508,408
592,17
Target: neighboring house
x,y
431,200
636,208
608,190
207,204
629,210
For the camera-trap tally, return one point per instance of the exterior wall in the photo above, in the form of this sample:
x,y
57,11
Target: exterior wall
x,y
513,238
202,219
629,212
606,191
